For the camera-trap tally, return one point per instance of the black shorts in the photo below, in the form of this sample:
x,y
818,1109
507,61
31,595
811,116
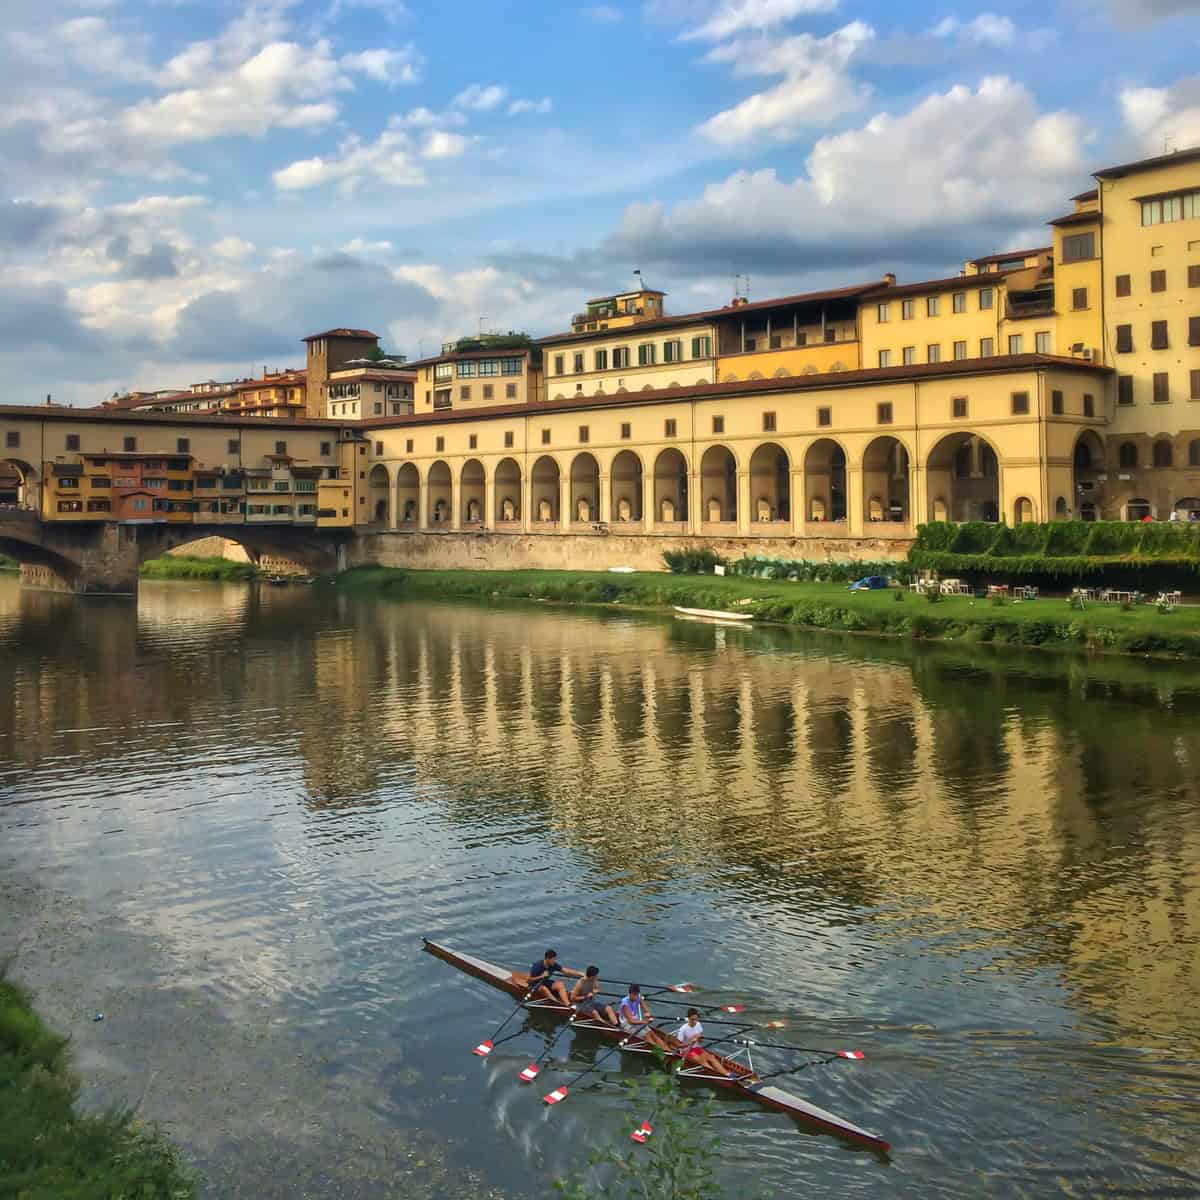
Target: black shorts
x,y
589,1007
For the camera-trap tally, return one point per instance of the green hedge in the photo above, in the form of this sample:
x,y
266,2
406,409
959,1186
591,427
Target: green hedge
x,y
804,570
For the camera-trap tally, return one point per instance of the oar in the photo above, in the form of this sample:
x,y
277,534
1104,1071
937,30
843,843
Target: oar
x,y
560,1093
656,987
726,1008
531,1072
489,1044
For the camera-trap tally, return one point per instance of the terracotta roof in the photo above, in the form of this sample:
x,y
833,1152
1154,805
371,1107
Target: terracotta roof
x,y
1091,194
1192,154
729,310
950,284
1007,254
370,376
1077,218
454,355
145,417
637,291
345,333
750,387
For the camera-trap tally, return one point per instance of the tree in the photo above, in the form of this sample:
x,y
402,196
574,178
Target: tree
x,y
675,1162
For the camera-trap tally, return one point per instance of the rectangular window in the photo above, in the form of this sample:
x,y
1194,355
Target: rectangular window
x,y
1158,281
1089,405
881,312
577,364
1020,404
408,445
281,447
960,350
987,347
768,422
824,416
1124,389
233,446
439,444
1162,387
702,347
1193,275
620,357
909,354
626,431
489,391
885,358
718,424
749,344
958,407
907,309
545,437
511,366
466,369
508,439
1056,403
672,350
1078,247
473,441
441,398
464,392
1195,376
1194,331
669,427
1079,298
1124,339
647,354
559,364
883,413
72,441
933,353
1158,335
600,360
1015,342
378,449
442,372
802,338
1124,285
584,433
130,444
959,302
831,334
932,304
985,298
1041,342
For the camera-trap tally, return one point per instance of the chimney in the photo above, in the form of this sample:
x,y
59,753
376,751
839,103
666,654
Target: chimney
x,y
889,277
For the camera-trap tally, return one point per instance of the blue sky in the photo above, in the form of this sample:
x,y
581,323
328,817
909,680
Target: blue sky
x,y
189,188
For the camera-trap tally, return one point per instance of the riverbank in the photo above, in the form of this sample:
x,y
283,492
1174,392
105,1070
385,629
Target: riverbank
x,y
180,566
8,564
892,613
48,1148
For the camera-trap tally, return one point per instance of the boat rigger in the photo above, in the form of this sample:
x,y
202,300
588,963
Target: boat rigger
x,y
742,1079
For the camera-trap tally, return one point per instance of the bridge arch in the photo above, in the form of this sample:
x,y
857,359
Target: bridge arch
x,y
20,485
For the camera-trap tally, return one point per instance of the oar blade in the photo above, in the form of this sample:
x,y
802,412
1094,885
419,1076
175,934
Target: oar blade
x,y
555,1097
733,1008
854,1054
484,1048
682,987
775,1025
641,1133
531,1072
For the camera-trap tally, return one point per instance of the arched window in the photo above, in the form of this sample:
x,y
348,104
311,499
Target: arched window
x,y
1127,455
1083,456
1137,510
1162,454
1060,508
1194,452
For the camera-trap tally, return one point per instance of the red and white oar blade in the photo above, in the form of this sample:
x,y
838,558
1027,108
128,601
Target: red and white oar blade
x,y
856,1054
775,1025
483,1049
683,987
555,1096
733,1008
530,1073
641,1133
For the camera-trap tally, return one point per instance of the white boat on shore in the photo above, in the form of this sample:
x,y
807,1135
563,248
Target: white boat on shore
x,y
713,614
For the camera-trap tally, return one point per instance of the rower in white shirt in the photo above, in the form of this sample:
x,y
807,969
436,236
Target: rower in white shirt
x,y
689,1035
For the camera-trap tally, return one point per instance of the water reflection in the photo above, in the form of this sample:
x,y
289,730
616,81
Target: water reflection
x,y
936,839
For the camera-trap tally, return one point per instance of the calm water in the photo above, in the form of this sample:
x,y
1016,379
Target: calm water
x,y
984,872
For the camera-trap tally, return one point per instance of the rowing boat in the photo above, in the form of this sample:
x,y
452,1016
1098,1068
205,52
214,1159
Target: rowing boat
x,y
741,1081
712,614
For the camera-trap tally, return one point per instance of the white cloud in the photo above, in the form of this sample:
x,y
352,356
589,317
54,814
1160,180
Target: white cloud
x,y
962,164
389,160
481,98
443,144
392,11
388,66
358,246
603,14
752,16
1163,119
993,32
517,107
234,249
816,86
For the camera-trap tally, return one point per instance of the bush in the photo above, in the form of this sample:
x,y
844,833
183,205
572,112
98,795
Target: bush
x,y
692,562
804,570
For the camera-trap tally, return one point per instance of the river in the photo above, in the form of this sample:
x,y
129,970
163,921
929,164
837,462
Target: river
x,y
230,814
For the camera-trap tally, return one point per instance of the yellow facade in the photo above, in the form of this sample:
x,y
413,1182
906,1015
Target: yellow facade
x,y
943,322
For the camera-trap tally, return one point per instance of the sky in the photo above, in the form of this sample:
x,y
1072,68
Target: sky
x,y
188,188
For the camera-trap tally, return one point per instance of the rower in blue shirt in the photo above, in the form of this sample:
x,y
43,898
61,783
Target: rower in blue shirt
x,y
634,1011
542,983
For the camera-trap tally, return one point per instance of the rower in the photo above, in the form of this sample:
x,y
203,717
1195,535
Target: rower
x,y
634,1011
541,984
585,997
690,1034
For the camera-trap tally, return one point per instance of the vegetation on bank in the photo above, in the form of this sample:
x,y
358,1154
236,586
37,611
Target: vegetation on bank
x,y
895,612
181,566
48,1151
1146,556
8,564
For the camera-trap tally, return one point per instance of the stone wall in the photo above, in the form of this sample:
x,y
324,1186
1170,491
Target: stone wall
x,y
492,551
212,547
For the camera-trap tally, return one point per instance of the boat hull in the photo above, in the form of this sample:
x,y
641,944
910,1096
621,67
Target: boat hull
x,y
516,984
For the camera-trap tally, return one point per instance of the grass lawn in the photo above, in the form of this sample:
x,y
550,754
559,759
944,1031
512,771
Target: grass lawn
x,y
819,605
182,566
50,1152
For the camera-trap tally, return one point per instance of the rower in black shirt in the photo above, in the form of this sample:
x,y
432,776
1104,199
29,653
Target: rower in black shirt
x,y
543,986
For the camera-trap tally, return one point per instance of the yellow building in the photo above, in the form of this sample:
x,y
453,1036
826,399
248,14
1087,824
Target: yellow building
x,y
478,373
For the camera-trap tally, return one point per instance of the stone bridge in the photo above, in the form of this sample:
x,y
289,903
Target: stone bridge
x,y
103,556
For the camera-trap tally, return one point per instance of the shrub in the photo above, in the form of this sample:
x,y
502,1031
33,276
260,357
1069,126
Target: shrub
x,y
899,595
692,562
803,570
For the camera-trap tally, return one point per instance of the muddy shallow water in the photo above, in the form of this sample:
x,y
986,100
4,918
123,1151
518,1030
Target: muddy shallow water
x,y
227,817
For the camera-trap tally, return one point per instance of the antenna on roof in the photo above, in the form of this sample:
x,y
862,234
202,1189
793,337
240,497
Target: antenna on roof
x,y
641,283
